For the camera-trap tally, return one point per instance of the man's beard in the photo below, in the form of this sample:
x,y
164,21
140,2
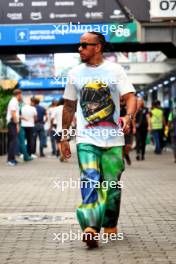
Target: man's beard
x,y
84,60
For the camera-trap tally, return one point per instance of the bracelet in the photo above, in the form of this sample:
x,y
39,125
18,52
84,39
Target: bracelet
x,y
130,116
63,140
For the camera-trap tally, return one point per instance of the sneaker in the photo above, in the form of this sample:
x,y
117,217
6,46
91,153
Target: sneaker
x,y
28,159
89,237
33,156
11,163
137,157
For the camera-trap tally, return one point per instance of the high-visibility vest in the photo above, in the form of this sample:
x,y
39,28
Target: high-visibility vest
x,y
157,118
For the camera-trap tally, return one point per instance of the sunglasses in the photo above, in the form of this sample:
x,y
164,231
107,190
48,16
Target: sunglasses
x,y
85,44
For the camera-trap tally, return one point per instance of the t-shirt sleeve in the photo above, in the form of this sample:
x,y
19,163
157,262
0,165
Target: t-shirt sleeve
x,y
53,113
70,90
13,106
123,84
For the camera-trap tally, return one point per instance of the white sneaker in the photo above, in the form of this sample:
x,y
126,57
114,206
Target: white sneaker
x,y
34,156
21,156
11,163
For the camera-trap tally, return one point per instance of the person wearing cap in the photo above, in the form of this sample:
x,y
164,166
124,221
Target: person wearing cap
x,y
95,87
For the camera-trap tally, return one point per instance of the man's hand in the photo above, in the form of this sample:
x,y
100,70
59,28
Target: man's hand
x,y
126,124
65,148
131,104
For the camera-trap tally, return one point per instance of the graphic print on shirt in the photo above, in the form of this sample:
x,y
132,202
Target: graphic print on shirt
x,y
97,104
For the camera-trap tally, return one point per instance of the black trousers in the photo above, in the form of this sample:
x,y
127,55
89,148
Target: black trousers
x,y
39,132
12,141
29,134
141,136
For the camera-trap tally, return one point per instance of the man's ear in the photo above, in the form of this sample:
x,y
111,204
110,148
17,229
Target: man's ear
x,y
98,48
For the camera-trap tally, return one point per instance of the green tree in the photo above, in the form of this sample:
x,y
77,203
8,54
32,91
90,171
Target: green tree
x,y
5,96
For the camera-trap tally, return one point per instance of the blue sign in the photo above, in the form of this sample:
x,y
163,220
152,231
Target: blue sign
x,y
42,83
48,34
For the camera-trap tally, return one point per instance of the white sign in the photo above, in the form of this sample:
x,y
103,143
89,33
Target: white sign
x,y
89,3
163,9
16,3
39,3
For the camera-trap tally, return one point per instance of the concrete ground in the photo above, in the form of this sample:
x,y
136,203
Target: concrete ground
x,y
35,213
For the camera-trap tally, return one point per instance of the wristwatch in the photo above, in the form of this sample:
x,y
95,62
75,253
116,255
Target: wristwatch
x,y
130,116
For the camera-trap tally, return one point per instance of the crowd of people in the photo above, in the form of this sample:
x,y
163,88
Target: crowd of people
x,y
150,126
29,123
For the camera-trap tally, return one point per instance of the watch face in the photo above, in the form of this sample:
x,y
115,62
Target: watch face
x,y
130,116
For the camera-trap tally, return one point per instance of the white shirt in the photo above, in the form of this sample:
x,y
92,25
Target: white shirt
x,y
12,106
117,83
57,115
50,114
28,112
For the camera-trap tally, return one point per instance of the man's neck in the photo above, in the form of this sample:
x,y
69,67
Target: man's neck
x,y
95,62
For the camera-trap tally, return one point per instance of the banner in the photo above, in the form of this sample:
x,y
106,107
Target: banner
x,y
59,11
126,33
55,34
42,83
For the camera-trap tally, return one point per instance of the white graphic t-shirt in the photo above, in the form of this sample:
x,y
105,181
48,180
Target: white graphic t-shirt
x,y
97,91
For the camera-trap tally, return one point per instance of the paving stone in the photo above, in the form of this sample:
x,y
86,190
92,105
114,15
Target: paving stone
x,y
148,218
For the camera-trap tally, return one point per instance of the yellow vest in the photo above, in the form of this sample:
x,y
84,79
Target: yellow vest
x,y
157,118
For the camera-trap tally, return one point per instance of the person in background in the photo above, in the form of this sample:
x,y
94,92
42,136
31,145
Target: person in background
x,y
129,136
52,125
57,117
157,124
172,129
39,131
13,119
21,138
28,118
141,128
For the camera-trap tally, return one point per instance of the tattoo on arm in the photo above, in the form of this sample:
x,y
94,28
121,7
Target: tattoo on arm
x,y
68,113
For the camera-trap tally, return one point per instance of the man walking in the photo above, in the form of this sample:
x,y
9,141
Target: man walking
x,y
141,128
157,124
96,86
29,116
13,126
39,130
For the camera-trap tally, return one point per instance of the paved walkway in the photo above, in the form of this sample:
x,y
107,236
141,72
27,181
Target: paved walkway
x,y
35,213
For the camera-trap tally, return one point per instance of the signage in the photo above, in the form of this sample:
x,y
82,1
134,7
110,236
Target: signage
x,y
125,33
42,83
61,11
163,9
55,34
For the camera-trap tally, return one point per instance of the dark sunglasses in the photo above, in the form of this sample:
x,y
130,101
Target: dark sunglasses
x,y
85,44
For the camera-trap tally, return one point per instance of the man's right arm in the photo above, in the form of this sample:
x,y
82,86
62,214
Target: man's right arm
x,y
67,116
69,110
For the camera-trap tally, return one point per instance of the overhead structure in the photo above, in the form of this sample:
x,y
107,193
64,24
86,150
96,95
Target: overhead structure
x,y
52,26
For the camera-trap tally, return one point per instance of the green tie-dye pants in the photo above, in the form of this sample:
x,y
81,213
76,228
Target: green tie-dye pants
x,y
101,169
